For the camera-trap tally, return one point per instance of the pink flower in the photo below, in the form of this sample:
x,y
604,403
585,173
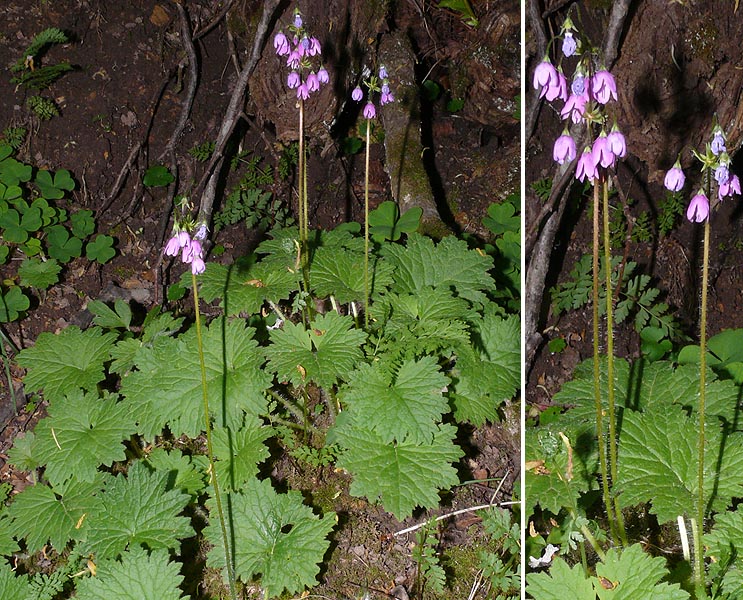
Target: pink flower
x,y
314,47
617,143
313,83
198,266
574,107
294,58
586,166
730,187
558,90
604,87
293,80
281,44
564,150
602,154
698,210
322,76
173,247
545,75
675,178
303,91
183,239
357,94
369,111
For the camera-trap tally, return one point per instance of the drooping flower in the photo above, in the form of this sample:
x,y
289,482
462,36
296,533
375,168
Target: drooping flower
x,y
313,82
545,75
586,166
718,143
675,178
387,96
293,80
698,210
722,174
579,85
197,265
294,58
564,149
281,44
617,143
322,76
369,111
357,94
383,72
604,87
574,107
602,154
303,91
297,19
173,247
730,187
558,90
569,45
183,239
315,48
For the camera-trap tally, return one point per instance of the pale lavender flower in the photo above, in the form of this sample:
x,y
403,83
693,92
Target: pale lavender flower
x,y
698,210
386,98
586,166
675,178
369,111
197,265
186,252
183,239
322,76
564,149
604,87
281,44
314,48
293,80
357,94
173,247
569,45
722,174
602,154
574,107
294,58
545,75
718,143
383,72
579,85
297,20
194,251
730,187
201,232
558,90
617,143
303,91
313,82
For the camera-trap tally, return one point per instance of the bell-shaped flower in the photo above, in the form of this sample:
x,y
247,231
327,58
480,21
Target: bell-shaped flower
x,y
569,44
730,187
383,72
303,91
314,48
357,94
564,149
369,111
558,90
602,154
675,178
294,58
617,143
297,19
586,166
545,75
173,247
718,143
604,87
197,265
322,76
575,107
313,82
722,173
281,44
698,210
293,80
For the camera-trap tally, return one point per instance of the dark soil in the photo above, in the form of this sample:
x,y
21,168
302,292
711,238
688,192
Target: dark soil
x,y
127,89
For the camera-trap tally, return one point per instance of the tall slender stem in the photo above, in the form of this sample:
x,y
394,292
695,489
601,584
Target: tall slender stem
x,y
209,448
301,181
698,547
366,226
597,366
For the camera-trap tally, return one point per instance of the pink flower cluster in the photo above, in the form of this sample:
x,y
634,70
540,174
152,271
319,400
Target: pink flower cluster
x,y
717,160
191,250
299,52
386,97
583,100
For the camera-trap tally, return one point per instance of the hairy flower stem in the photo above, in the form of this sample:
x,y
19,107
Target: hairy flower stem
x,y
303,211
597,366
610,365
366,227
209,449
699,529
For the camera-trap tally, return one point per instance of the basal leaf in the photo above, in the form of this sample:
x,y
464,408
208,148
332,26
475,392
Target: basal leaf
x,y
658,462
724,546
632,574
37,274
81,433
161,394
339,272
402,474
185,473
275,537
560,583
239,452
60,364
135,576
12,585
137,510
326,352
404,405
449,264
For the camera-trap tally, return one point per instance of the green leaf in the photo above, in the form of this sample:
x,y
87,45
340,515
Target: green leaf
x,y
158,176
560,583
13,304
404,405
82,223
326,352
4,253
7,544
61,245
238,453
339,272
134,576
724,547
41,515
82,432
403,474
501,218
449,264
53,189
160,394
137,510
23,454
100,249
185,473
275,535
13,172
60,364
37,274
658,463
120,316
12,585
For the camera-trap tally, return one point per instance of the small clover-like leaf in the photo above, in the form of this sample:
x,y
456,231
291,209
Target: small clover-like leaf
x,y
158,176
274,535
61,245
100,249
13,304
60,364
136,575
54,188
82,223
